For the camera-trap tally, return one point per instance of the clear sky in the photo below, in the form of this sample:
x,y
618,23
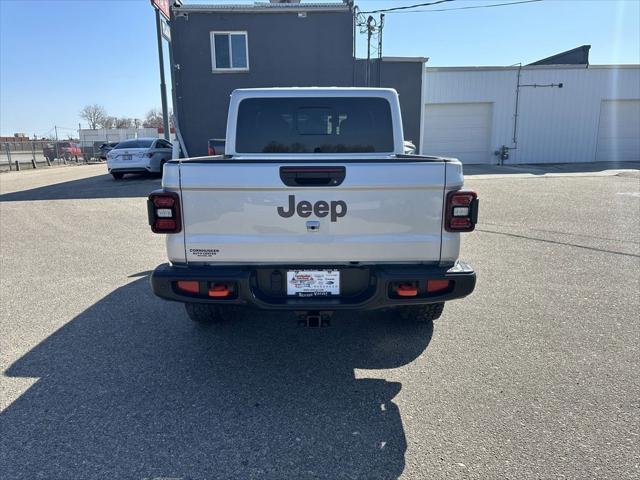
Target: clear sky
x,y
57,56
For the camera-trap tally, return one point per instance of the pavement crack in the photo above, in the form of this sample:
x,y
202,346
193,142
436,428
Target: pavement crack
x,y
595,249
558,232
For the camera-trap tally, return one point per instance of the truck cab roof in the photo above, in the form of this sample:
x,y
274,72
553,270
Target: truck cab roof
x,y
315,92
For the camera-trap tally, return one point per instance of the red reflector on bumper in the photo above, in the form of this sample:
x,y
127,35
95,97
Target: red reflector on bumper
x,y
189,286
407,291
219,290
434,286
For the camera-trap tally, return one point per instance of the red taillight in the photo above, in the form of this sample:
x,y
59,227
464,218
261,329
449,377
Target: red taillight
x,y
164,202
461,211
462,198
435,286
165,224
211,150
163,209
458,224
189,286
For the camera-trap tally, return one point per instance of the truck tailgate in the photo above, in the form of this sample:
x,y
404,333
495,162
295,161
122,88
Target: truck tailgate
x,y
237,212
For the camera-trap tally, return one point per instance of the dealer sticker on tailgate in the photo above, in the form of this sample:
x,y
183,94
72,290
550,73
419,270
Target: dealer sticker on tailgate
x,y
313,283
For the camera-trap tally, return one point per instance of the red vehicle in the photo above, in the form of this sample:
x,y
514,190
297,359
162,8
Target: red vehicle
x,y
64,150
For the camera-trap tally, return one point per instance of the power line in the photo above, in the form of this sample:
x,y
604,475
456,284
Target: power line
x,y
383,10
470,7
47,133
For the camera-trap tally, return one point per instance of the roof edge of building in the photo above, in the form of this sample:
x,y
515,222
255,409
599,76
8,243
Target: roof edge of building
x,y
405,59
396,59
263,8
533,67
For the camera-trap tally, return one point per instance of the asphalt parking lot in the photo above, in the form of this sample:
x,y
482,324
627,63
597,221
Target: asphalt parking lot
x,y
533,376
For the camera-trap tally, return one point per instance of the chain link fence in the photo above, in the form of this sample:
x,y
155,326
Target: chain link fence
x,y
40,153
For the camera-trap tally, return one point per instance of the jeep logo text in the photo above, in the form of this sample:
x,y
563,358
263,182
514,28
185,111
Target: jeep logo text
x,y
320,209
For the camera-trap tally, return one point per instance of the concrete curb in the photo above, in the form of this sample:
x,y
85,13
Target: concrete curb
x,y
591,169
605,173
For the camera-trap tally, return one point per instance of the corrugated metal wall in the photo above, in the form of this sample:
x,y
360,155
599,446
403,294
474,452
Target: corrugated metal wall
x,y
88,136
554,124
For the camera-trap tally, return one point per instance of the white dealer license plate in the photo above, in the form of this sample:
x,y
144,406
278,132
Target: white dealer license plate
x,y
313,283
126,157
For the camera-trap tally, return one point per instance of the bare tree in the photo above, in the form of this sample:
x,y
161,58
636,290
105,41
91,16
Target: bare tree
x,y
93,114
107,122
153,119
124,122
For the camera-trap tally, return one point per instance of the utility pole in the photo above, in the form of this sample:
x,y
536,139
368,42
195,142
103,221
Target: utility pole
x,y
57,152
163,87
174,102
369,33
354,63
380,27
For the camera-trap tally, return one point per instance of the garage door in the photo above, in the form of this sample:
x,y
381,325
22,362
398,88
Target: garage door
x,y
461,130
619,131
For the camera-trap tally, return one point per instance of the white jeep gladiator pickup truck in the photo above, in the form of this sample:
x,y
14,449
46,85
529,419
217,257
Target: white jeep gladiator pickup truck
x,y
313,208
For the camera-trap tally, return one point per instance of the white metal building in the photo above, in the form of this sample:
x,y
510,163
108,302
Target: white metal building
x,y
470,112
89,137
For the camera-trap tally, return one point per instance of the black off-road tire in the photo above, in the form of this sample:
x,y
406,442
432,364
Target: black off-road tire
x,y
117,175
422,313
204,313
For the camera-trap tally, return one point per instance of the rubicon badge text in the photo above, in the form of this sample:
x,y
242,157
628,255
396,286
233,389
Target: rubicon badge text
x,y
336,209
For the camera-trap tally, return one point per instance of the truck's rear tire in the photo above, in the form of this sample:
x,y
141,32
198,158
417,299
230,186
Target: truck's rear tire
x,y
203,313
117,175
422,313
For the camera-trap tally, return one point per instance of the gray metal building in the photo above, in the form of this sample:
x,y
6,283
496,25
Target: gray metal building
x,y
218,48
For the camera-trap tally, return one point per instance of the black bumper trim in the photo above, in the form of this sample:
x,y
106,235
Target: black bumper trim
x,y
461,275
129,170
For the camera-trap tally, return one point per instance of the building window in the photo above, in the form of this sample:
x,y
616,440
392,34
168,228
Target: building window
x,y
229,51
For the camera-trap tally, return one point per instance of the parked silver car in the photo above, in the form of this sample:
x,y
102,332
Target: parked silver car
x,y
139,155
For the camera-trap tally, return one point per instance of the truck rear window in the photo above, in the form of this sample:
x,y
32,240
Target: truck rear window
x,y
314,125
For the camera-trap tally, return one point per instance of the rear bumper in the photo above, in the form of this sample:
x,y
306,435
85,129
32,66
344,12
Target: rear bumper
x,y
371,286
128,166
129,169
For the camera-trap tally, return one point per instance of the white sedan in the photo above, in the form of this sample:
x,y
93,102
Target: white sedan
x,y
139,155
